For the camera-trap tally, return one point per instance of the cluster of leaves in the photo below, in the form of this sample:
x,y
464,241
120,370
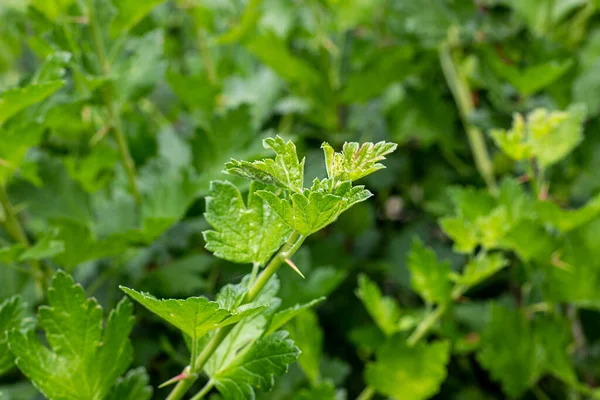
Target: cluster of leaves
x,y
473,272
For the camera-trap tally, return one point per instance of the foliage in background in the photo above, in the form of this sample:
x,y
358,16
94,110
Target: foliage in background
x,y
472,273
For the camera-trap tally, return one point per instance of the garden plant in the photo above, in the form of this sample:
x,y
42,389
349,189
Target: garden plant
x,y
303,200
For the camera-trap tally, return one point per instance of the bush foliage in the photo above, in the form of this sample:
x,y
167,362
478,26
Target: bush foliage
x,y
312,199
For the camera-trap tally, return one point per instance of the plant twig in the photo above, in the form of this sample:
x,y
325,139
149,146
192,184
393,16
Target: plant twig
x,y
113,114
287,250
462,97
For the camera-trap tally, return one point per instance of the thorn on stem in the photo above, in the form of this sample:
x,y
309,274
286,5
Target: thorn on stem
x,y
175,379
293,266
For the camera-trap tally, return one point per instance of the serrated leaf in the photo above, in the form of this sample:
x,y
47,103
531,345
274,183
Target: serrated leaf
x,y
243,234
257,367
567,220
83,361
129,13
429,277
282,317
305,214
14,100
133,386
408,373
324,390
194,316
284,171
384,310
518,357
12,316
356,161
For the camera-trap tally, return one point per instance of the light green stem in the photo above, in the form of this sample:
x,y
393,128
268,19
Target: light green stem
x,y
426,325
462,97
289,248
113,113
204,391
366,394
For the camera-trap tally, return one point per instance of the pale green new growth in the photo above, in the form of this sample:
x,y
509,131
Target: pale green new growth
x,y
194,316
256,367
404,372
83,361
356,160
285,171
384,310
546,136
12,316
242,234
429,277
307,211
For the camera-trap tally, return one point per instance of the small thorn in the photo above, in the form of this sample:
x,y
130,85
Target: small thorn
x,y
173,380
293,266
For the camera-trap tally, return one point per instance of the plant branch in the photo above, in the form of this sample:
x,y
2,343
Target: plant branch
x,y
462,97
113,113
426,325
287,250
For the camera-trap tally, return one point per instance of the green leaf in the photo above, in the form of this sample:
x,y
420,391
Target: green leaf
x,y
307,213
12,316
480,268
194,316
16,142
518,357
243,234
129,13
133,386
14,100
546,136
83,361
411,373
282,317
308,336
356,161
567,220
429,277
256,367
284,171
384,310
45,247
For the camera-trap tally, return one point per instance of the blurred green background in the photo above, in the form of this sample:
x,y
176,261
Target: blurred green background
x,y
193,83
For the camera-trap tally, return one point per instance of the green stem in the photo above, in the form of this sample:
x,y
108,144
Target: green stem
x,y
113,113
426,325
204,391
366,394
287,250
14,228
462,97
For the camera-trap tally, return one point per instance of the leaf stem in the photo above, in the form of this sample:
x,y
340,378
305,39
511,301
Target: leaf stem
x,y
113,113
15,229
366,394
460,91
426,324
287,250
204,391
